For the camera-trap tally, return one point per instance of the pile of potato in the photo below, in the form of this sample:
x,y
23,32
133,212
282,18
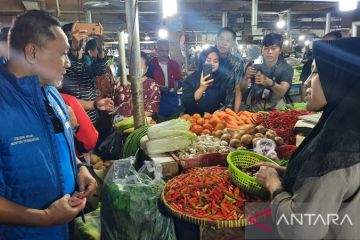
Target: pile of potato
x,y
99,164
247,136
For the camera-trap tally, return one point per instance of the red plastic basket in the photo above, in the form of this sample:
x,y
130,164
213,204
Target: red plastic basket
x,y
204,160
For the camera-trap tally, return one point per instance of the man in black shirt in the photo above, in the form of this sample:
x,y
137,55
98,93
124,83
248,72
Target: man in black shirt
x,y
230,64
270,81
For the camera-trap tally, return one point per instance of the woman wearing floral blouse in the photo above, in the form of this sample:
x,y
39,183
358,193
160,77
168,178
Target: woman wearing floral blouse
x,y
151,93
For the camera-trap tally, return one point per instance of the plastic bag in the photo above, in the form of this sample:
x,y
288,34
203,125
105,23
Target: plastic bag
x,y
266,147
130,207
111,147
89,230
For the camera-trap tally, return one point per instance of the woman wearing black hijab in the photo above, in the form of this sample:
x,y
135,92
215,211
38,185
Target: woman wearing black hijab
x,y
201,94
323,175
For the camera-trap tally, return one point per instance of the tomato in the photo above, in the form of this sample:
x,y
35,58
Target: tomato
x,y
207,116
186,116
213,122
192,120
208,126
197,129
196,116
200,121
206,131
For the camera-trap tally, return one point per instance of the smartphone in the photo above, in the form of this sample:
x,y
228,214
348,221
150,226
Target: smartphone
x,y
207,69
88,28
259,60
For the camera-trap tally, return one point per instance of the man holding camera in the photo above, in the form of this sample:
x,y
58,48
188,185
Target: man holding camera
x,y
267,83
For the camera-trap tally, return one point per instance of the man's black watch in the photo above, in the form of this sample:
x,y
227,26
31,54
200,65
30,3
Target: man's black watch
x,y
84,164
272,84
278,191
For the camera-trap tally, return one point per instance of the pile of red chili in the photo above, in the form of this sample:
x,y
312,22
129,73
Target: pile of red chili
x,y
207,193
281,122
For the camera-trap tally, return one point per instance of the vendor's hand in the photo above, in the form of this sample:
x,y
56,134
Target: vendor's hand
x,y
73,119
250,72
261,79
87,184
105,104
269,178
280,169
61,212
205,82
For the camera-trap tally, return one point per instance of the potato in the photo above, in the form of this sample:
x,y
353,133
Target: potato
x,y
226,137
98,165
218,133
235,142
269,135
94,159
107,163
236,136
260,129
255,140
279,141
250,129
242,147
246,139
271,131
259,135
229,130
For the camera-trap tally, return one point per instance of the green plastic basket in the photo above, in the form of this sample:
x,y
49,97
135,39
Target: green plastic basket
x,y
243,159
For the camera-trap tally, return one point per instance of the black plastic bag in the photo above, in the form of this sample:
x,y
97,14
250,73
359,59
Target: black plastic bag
x,y
111,147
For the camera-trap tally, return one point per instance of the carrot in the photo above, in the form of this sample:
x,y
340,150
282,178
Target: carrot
x,y
230,112
232,125
228,118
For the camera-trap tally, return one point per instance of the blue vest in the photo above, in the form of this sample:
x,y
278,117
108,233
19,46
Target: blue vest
x,y
29,164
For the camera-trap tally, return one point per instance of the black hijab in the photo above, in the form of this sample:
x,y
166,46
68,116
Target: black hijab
x,y
334,143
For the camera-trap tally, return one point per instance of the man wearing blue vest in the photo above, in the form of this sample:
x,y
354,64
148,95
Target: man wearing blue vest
x,y
38,167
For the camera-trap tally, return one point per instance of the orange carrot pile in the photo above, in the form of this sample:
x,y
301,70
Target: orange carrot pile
x,y
219,121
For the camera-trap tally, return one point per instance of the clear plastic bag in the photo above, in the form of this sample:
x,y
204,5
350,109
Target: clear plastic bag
x,y
89,230
130,207
266,147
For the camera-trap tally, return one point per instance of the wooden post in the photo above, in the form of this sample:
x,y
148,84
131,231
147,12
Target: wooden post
x,y
122,55
132,20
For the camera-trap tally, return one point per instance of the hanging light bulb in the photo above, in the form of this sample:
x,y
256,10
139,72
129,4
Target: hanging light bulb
x,y
169,8
286,42
347,5
281,23
147,38
163,33
301,38
205,46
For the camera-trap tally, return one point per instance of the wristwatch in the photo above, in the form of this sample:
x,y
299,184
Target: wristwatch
x,y
273,83
84,164
278,191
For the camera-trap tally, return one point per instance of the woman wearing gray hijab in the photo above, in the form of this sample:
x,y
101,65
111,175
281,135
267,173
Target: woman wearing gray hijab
x,y
321,185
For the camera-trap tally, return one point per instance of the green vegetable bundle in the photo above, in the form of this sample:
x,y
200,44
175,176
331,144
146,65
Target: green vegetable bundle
x,y
132,142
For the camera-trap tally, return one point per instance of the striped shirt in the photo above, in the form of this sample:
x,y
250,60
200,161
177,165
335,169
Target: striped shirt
x,y
79,80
